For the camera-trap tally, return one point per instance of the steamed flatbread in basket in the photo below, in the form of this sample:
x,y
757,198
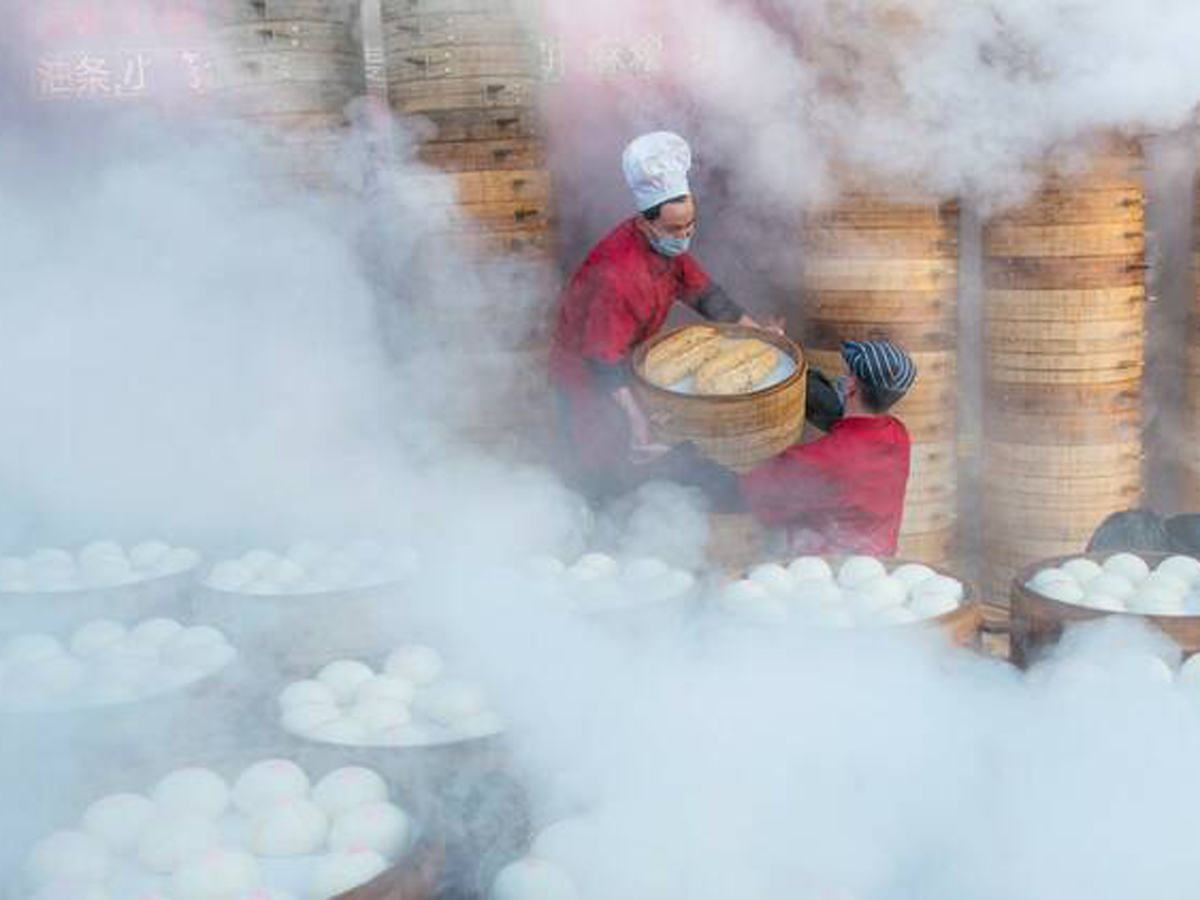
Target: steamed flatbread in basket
x,y
699,360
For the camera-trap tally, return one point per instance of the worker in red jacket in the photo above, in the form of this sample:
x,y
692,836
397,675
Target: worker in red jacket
x,y
621,296
844,492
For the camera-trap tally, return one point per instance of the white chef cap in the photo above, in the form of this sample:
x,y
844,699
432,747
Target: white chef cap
x,y
656,168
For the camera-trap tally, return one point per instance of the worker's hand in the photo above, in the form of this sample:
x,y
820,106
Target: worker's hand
x,y
774,323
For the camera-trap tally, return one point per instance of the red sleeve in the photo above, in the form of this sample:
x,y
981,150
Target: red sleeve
x,y
693,280
611,328
802,480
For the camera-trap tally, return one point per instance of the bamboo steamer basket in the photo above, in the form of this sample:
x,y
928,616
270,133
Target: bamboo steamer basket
x,y
736,541
882,308
960,626
854,274
1065,339
484,188
52,787
849,242
443,64
470,156
1119,205
489,124
530,214
1063,274
232,12
444,7
936,547
1122,304
1078,240
863,211
1065,460
923,516
1038,622
738,431
419,874
463,92
288,35
1044,429
63,611
453,29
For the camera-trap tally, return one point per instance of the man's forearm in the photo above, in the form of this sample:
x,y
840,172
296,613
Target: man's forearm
x,y
716,305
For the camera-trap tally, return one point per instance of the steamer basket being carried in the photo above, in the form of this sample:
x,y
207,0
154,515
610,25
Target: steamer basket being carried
x,y
1038,622
738,431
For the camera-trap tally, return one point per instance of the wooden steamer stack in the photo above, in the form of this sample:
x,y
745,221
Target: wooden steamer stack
x,y
292,67
1064,352
468,74
1184,443
882,267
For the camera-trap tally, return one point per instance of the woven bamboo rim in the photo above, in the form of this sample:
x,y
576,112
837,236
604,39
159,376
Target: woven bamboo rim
x,y
880,243
1068,337
1015,373
1112,428
1116,205
472,156
430,65
883,307
863,210
738,431
1037,621
393,8
440,29
1063,458
1063,273
233,70
937,546
1075,240
1065,400
928,516
824,274
1090,486
285,35
1100,304
495,123
463,93
276,11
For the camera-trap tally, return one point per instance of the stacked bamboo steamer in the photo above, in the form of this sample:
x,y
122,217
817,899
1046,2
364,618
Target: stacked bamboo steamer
x,y
467,75
1184,443
883,267
1064,356
292,67
472,70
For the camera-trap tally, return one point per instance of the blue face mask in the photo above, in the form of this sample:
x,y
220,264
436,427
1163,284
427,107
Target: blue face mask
x,y
670,246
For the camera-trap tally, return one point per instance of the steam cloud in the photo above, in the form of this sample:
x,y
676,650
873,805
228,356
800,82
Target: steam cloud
x,y
185,351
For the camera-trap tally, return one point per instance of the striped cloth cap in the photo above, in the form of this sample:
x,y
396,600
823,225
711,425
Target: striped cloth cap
x,y
881,364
